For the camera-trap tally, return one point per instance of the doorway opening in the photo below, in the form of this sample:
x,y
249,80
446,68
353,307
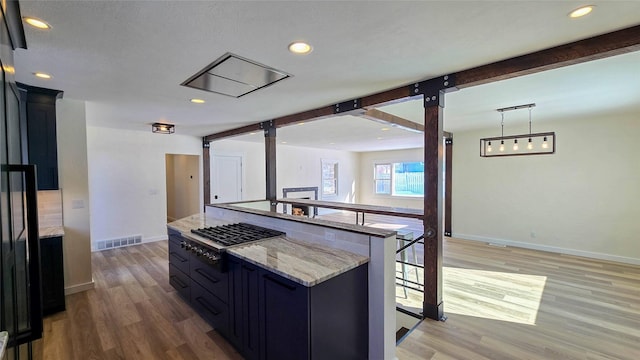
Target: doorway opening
x,y
183,185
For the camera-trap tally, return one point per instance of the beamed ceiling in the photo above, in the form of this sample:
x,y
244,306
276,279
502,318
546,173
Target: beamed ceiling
x,y
127,60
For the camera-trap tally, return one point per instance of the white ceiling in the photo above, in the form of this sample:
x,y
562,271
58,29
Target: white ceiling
x,y
128,58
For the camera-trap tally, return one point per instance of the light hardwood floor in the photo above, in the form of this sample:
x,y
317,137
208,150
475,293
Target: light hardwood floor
x,y
501,303
133,313
511,303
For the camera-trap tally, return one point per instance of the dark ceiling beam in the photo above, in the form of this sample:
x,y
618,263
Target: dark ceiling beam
x,y
315,114
597,47
377,115
594,48
234,132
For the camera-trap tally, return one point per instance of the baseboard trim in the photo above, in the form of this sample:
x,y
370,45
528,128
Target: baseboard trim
x,y
554,249
79,288
155,238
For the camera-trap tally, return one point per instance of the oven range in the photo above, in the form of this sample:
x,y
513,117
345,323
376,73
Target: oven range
x,y
211,242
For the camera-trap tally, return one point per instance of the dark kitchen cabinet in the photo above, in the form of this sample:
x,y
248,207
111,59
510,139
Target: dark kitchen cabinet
x,y
39,108
244,328
51,262
204,286
273,317
179,266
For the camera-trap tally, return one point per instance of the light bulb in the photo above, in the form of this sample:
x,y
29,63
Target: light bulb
x,y
545,145
501,145
515,145
489,147
530,145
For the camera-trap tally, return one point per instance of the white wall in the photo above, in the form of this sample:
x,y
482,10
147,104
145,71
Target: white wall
x,y
73,177
367,189
582,200
296,167
127,180
302,167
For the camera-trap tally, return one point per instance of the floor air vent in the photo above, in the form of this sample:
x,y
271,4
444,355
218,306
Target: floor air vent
x,y
116,243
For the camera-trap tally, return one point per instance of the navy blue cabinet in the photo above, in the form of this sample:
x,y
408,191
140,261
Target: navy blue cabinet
x,y
266,316
278,318
39,108
202,285
51,263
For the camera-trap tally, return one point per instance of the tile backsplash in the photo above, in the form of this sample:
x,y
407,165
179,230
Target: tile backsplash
x,y
49,208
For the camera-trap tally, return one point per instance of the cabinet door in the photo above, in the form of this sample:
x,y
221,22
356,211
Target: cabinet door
x,y
180,281
178,256
285,322
209,277
250,312
43,152
235,302
51,263
214,311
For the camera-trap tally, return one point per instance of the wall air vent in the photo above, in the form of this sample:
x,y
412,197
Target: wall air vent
x,y
234,76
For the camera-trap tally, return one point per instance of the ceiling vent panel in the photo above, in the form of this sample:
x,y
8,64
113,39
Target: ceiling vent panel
x,y
234,76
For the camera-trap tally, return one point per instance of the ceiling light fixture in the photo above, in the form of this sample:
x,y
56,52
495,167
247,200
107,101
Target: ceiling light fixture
x,y
161,128
197,101
36,23
300,48
42,75
581,11
546,141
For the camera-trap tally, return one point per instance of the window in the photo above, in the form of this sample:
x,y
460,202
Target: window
x,y
329,178
382,178
400,179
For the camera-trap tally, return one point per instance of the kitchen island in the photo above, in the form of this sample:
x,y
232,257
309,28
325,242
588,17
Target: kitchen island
x,y
342,274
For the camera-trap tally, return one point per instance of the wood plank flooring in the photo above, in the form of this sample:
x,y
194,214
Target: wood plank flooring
x,y
501,303
132,313
511,303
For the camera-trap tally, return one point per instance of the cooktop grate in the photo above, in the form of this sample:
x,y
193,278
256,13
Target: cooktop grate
x,y
234,234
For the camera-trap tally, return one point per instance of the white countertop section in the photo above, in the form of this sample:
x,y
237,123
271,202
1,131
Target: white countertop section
x,y
50,231
305,263
196,221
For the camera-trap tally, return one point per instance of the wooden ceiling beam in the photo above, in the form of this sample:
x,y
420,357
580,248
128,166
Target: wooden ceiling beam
x,y
377,115
233,132
594,48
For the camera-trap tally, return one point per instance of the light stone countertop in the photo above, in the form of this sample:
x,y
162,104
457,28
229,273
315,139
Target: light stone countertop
x,y
303,262
4,337
300,261
51,231
196,221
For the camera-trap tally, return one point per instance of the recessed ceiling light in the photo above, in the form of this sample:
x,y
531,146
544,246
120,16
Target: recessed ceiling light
x,y
301,123
581,11
385,129
299,47
379,138
36,23
42,75
283,142
197,101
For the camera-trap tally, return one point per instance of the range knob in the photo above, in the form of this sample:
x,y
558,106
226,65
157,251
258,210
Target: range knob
x,y
199,252
183,244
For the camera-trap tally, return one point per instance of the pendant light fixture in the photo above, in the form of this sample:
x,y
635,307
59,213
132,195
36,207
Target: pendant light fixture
x,y
537,144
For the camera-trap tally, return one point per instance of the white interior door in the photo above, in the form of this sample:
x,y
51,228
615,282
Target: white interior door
x,y
226,178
